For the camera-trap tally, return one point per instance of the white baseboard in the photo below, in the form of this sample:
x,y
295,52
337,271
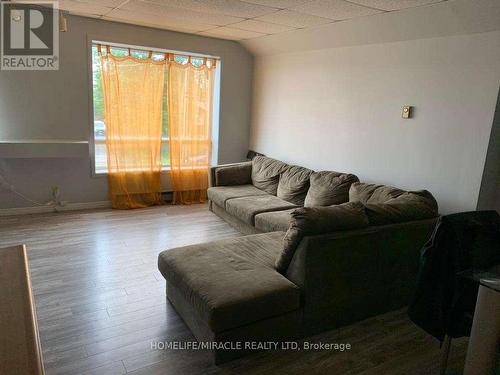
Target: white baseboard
x,y
45,209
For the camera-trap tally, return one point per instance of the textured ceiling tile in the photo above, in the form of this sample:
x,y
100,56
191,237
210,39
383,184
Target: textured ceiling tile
x,y
104,3
155,21
390,5
281,4
228,7
180,14
180,29
261,27
83,8
227,37
202,16
231,33
335,9
294,19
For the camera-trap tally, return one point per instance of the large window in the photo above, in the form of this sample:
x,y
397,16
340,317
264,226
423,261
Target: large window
x,y
99,139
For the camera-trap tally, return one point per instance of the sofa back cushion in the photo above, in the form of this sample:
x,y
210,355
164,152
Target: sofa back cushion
x,y
329,188
372,194
266,173
389,205
234,174
318,220
293,184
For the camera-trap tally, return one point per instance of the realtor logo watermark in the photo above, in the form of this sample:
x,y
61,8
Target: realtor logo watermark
x,y
29,35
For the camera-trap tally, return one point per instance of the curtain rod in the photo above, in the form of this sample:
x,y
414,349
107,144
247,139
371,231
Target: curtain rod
x,y
151,49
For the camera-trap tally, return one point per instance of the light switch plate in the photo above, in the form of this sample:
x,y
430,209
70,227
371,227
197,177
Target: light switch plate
x,y
407,111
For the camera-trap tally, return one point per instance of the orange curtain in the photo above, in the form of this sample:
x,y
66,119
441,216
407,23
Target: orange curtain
x,y
190,105
133,91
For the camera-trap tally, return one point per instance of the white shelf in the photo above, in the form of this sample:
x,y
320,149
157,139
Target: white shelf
x,y
43,148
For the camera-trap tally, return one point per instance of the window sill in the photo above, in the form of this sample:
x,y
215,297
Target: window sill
x,y
165,170
101,173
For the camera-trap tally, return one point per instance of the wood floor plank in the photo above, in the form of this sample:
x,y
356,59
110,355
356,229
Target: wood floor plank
x,y
113,368
72,326
101,302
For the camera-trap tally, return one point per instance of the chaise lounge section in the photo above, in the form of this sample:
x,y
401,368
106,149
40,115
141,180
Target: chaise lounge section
x,y
228,291
304,270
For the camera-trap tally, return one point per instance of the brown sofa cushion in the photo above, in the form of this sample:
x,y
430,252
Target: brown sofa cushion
x,y
246,208
236,174
389,205
372,194
266,173
220,194
293,184
318,220
274,221
329,188
231,282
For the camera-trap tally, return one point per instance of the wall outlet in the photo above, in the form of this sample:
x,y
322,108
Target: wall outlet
x,y
56,201
55,193
407,111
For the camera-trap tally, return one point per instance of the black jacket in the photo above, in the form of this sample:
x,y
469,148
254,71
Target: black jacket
x,y
443,303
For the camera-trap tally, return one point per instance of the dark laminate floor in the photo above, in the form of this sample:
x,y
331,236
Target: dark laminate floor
x,y
101,301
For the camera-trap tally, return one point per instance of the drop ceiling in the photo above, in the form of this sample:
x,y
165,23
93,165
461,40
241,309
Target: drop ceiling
x,y
234,19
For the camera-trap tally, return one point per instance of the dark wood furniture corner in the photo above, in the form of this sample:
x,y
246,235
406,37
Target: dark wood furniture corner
x,y
20,350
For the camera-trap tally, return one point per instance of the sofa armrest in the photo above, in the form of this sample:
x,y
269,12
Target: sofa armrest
x,y
351,275
231,174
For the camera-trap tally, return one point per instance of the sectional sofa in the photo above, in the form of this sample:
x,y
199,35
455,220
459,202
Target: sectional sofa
x,y
321,250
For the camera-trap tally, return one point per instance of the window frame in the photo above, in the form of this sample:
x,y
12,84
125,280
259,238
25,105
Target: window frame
x,y
92,40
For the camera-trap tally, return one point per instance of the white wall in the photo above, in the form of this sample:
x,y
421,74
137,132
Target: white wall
x,y
340,109
45,105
